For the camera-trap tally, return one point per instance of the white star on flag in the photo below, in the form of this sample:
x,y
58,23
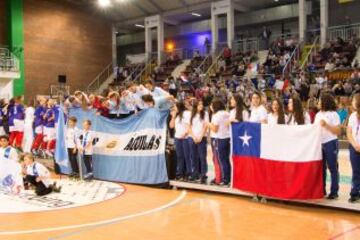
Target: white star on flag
x,y
245,139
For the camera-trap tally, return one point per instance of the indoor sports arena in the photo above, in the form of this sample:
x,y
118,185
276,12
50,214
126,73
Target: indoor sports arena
x,y
179,119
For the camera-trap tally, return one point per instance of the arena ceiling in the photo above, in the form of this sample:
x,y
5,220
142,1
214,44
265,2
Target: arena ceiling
x,y
127,13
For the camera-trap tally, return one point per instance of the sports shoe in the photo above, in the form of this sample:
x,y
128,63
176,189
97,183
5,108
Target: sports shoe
x,y
224,184
213,182
179,178
332,196
354,199
88,176
203,180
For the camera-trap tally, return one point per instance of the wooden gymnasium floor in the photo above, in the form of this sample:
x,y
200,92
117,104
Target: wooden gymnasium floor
x,y
149,213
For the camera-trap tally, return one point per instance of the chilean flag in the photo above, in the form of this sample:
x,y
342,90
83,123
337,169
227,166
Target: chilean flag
x,y
278,161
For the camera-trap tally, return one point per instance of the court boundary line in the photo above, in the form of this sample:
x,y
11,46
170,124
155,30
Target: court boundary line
x,y
73,207
99,223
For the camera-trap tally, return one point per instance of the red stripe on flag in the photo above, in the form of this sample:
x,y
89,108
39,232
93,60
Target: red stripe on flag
x,y
285,180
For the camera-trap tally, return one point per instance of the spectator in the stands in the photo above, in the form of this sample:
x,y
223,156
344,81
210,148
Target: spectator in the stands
x,y
207,45
343,110
355,77
265,35
197,56
227,55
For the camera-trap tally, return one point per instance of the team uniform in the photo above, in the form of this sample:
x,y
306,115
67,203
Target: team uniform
x,y
258,114
160,97
10,169
85,141
183,158
290,119
124,110
272,119
220,142
38,127
2,130
113,107
354,124
17,133
49,130
71,141
140,91
34,171
130,103
245,115
330,148
8,153
199,151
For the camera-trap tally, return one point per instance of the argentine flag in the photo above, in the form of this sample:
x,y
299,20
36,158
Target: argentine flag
x,y
61,154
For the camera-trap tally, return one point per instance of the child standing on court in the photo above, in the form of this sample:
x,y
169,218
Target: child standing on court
x,y
85,143
71,135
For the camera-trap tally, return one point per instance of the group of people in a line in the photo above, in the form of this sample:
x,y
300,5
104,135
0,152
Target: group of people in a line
x,y
195,123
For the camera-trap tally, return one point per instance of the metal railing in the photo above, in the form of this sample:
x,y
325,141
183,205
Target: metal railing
x,y
291,62
311,53
144,73
345,32
205,64
8,61
214,66
246,45
135,71
95,85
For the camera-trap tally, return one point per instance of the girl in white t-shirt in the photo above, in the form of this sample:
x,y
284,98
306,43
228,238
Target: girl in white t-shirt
x,y
220,142
297,115
276,115
353,136
198,141
238,112
258,111
180,120
329,120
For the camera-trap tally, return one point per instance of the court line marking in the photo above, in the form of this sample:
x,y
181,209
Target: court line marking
x,y
98,223
342,234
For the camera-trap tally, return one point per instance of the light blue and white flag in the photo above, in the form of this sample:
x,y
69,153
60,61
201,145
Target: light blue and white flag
x,y
130,150
61,154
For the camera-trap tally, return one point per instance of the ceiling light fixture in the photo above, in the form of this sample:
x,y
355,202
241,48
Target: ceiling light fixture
x,y
104,3
139,26
196,14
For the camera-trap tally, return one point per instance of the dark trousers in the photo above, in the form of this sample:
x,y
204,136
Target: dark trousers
x,y
355,165
222,150
73,160
112,116
330,160
183,160
88,163
122,116
40,188
198,156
